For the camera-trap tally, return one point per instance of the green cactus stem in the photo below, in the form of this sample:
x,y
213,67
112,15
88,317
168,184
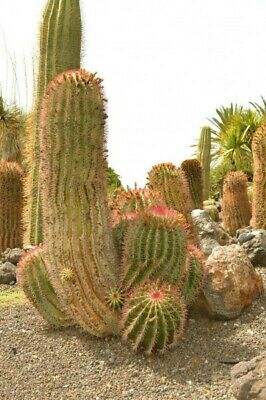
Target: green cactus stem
x,y
194,277
204,157
32,277
77,222
193,172
259,179
11,204
155,247
213,212
153,317
236,211
171,184
60,48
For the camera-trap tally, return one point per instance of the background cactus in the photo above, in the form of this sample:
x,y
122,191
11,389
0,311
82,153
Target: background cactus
x,y
193,172
60,48
153,316
11,204
171,184
33,279
204,157
236,211
81,257
259,179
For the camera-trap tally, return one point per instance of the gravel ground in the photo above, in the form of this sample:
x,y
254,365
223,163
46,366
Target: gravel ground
x,y
37,363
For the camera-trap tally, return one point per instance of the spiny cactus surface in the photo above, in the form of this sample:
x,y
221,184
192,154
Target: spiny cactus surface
x,y
60,49
153,317
204,157
236,211
33,279
259,179
193,172
11,204
81,256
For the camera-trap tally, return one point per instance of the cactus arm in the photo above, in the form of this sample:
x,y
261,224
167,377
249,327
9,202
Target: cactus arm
x,y
204,157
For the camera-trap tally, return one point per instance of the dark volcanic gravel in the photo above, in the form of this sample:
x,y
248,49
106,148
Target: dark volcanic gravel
x,y
37,363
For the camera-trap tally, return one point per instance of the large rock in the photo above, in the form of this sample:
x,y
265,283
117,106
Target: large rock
x,y
211,234
254,243
12,255
249,379
231,282
7,273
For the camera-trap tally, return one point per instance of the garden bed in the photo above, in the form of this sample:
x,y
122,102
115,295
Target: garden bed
x,y
38,363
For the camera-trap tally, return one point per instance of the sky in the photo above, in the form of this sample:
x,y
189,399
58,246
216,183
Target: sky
x,y
166,65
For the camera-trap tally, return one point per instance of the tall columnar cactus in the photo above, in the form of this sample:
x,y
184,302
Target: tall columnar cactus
x,y
259,179
172,185
155,247
60,48
81,257
193,172
33,279
204,157
11,204
236,212
153,316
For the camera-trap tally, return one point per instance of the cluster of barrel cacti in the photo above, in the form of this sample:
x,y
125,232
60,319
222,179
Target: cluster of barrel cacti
x,y
130,267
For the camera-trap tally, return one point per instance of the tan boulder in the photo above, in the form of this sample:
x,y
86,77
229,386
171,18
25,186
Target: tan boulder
x,y
231,282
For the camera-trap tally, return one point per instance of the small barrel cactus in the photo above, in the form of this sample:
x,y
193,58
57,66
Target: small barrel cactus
x,y
193,172
33,279
155,246
11,204
194,276
259,179
153,316
236,211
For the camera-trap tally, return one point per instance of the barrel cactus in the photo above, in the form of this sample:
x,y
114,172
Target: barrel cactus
x,y
32,277
259,179
236,211
11,205
60,49
193,172
153,316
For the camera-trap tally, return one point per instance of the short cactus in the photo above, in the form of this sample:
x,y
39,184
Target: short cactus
x,y
155,247
193,172
32,277
259,179
153,317
213,212
236,211
11,204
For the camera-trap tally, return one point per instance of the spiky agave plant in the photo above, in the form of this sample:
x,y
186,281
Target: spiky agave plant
x,y
12,127
153,316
